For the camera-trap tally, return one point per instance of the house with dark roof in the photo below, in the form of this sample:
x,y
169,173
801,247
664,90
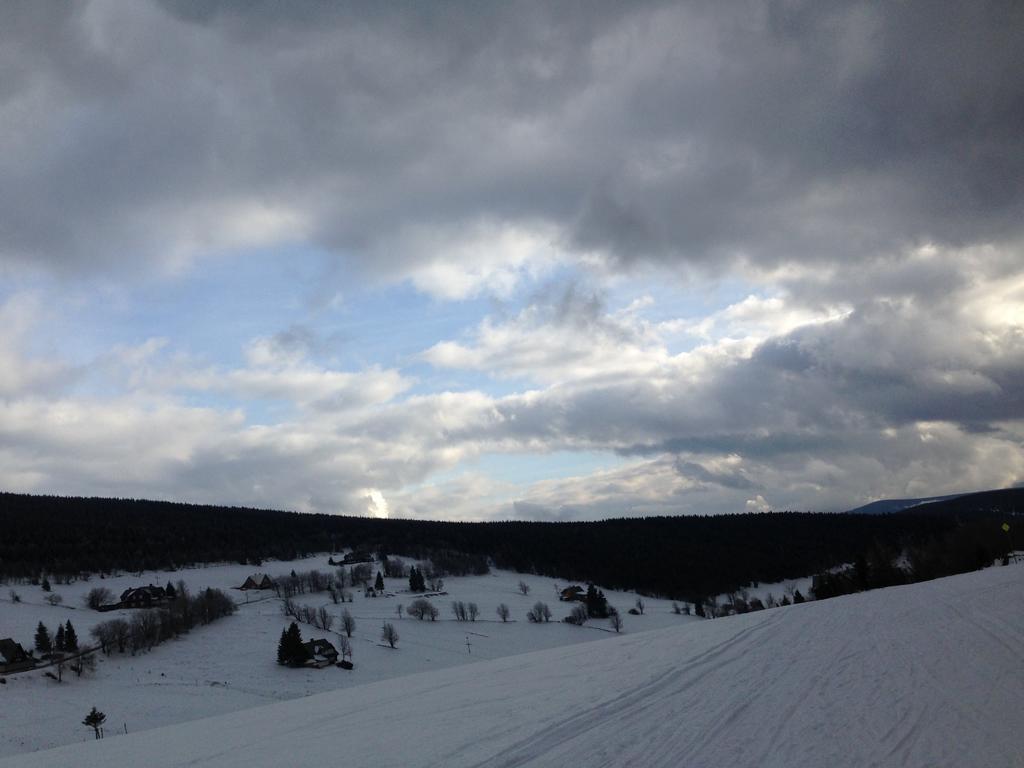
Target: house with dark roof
x,y
13,657
320,653
357,556
257,581
573,593
143,597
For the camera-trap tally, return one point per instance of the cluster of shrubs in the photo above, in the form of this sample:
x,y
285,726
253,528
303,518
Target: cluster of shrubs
x,y
150,627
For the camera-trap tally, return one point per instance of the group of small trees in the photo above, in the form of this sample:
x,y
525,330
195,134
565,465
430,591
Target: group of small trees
x,y
417,583
596,602
300,583
64,640
420,581
422,608
153,626
394,567
465,611
539,613
320,617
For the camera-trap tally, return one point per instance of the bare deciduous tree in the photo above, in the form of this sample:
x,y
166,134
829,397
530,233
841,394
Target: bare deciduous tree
x,y
503,612
422,608
98,596
326,619
389,634
578,615
54,599
640,605
539,613
474,611
348,624
615,620
524,587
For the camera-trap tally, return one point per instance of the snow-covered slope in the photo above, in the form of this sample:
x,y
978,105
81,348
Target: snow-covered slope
x,y
924,675
230,665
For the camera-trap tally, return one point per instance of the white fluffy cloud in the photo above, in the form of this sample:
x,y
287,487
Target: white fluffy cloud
x,y
853,168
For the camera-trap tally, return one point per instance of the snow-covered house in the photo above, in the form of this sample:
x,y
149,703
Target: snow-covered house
x,y
320,653
143,597
257,581
572,593
357,557
13,657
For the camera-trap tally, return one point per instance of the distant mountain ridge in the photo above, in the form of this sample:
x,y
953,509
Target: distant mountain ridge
x,y
886,506
1001,501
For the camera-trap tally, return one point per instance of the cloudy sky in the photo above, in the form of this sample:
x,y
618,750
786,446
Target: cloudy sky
x,y
496,260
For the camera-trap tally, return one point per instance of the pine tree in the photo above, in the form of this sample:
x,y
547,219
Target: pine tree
x,y
59,640
379,583
70,637
169,590
597,603
46,584
43,643
95,720
294,652
282,648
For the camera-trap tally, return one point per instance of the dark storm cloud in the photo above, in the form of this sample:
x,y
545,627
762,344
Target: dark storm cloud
x,y
696,132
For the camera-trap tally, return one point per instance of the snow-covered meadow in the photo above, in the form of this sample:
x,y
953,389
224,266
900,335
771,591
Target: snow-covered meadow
x,y
928,674
230,665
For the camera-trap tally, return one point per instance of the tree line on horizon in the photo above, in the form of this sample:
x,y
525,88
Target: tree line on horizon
x,y
685,557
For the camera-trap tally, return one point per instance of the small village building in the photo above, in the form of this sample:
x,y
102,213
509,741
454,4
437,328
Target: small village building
x,y
320,653
13,658
357,557
143,597
573,593
257,581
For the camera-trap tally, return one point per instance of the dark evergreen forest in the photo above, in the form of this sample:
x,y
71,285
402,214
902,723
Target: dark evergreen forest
x,y
681,557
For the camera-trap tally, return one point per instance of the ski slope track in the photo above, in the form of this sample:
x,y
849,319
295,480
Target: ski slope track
x,y
922,675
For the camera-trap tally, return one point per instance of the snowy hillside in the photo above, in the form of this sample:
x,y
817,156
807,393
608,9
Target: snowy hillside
x,y
230,665
922,675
